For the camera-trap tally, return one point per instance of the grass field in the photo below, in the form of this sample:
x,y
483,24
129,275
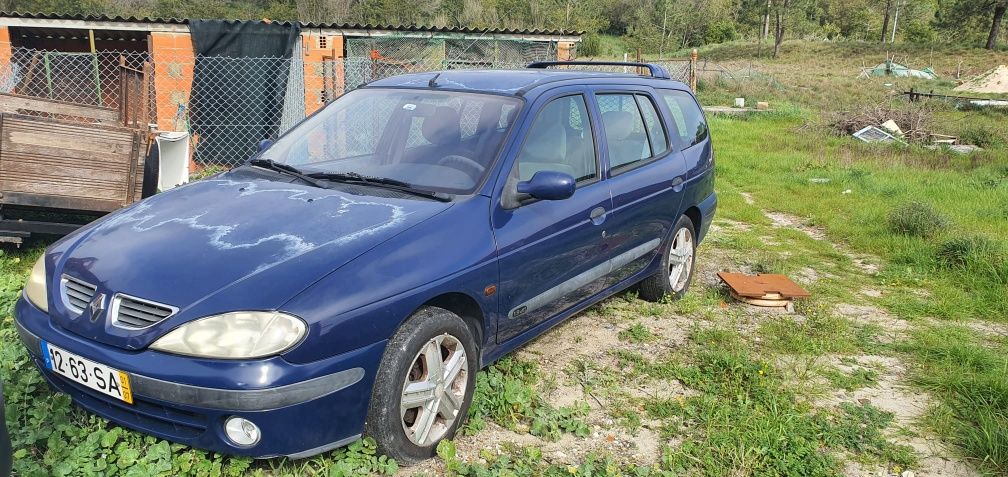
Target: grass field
x,y
898,361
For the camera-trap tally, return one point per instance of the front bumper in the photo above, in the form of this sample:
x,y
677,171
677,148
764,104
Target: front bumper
x,y
301,409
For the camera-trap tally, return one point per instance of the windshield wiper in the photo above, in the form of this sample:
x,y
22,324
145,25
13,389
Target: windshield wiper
x,y
287,169
384,182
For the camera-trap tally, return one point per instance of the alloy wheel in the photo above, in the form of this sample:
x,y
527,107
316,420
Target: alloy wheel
x,y
434,390
680,259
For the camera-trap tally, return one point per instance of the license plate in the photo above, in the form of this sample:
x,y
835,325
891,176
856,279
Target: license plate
x,y
101,378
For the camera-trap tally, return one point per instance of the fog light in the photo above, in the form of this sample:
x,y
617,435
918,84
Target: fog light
x,y
241,431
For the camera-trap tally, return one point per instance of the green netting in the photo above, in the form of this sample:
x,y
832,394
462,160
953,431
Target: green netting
x,y
891,68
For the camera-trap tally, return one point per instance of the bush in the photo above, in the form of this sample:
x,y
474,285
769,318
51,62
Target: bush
x,y
980,257
969,252
981,136
720,32
919,32
205,172
590,45
831,31
916,219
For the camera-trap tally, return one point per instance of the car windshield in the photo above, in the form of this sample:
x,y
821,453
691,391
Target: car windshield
x,y
433,140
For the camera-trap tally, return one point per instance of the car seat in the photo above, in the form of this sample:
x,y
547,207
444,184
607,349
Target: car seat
x,y
627,143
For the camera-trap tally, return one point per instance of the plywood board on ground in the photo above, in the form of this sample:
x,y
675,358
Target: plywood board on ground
x,y
762,285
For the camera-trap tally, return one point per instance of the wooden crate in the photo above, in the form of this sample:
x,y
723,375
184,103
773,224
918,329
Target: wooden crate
x,y
83,113
62,164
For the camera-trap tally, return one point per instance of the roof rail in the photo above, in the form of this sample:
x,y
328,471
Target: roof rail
x,y
657,71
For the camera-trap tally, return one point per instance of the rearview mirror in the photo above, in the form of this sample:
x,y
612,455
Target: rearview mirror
x,y
548,185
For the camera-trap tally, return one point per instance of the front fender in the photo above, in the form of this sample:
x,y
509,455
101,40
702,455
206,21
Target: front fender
x,y
366,300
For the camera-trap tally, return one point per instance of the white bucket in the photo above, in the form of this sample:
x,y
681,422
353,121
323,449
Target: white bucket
x,y
739,102
173,154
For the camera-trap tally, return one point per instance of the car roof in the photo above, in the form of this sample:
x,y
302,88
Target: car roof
x,y
509,82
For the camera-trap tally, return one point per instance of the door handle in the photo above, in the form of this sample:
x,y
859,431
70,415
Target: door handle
x,y
598,215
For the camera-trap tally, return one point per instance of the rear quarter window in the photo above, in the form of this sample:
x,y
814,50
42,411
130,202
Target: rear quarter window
x,y
686,115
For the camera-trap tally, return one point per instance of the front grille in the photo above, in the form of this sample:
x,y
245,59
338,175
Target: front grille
x,y
77,294
134,313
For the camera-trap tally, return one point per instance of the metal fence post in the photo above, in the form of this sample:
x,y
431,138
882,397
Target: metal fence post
x,y
692,69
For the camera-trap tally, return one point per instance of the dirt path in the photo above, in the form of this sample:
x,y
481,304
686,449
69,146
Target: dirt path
x,y
891,392
591,337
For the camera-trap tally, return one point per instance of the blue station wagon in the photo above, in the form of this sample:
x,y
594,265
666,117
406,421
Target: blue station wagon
x,y
354,275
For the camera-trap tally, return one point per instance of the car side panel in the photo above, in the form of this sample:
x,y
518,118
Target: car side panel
x,y
699,160
549,252
647,201
550,257
646,207
367,299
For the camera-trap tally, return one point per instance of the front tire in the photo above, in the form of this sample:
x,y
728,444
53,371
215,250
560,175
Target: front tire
x,y
424,385
676,272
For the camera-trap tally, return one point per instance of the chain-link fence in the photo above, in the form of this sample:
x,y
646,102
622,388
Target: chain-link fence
x,y
227,117
373,58
83,78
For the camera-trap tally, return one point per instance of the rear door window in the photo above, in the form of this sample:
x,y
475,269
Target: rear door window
x,y
688,118
653,124
626,137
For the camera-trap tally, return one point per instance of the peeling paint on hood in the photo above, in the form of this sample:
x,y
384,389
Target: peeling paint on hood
x,y
244,232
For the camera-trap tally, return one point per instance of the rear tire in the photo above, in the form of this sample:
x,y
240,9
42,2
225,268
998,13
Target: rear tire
x,y
424,385
676,272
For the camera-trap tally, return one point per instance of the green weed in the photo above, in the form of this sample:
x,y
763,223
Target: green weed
x,y
857,378
506,393
858,428
983,136
637,333
916,219
529,461
814,331
971,381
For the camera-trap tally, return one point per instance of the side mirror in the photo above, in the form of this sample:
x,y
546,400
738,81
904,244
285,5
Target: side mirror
x,y
548,185
264,145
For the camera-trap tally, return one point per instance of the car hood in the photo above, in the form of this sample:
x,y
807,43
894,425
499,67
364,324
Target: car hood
x,y
245,240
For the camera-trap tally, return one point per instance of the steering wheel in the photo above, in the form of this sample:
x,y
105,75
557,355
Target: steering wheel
x,y
468,165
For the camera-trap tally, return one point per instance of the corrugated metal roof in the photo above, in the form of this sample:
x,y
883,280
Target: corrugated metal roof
x,y
336,26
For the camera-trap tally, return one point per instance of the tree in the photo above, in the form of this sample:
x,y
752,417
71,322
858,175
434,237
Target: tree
x,y
999,12
765,28
780,14
885,20
967,18
323,11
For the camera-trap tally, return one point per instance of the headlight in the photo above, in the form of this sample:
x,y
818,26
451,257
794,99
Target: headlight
x,y
237,335
36,289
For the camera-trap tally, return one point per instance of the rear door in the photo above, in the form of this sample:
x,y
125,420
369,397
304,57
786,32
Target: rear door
x,y
690,131
551,251
646,174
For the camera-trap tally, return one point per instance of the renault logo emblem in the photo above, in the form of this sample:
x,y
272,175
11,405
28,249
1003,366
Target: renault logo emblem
x,y
96,307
